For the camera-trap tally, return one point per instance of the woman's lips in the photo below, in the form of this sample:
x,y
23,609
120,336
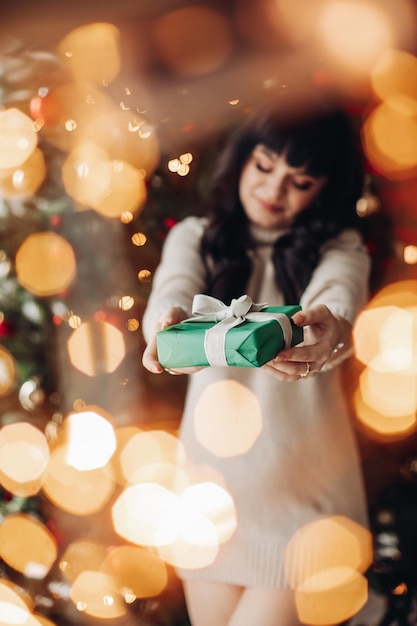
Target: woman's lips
x,y
270,206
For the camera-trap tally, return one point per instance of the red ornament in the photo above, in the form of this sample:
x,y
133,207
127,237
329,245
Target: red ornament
x,y
55,220
48,108
188,127
6,329
57,320
100,316
169,222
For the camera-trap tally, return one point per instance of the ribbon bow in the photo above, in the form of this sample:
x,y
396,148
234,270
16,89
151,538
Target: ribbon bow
x,y
209,309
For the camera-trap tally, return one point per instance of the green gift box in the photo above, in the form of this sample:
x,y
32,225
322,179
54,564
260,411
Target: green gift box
x,y
247,339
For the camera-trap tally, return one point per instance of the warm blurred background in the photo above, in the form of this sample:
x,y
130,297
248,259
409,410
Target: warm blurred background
x,y
110,115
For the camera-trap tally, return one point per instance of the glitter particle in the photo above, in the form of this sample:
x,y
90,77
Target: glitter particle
x,y
145,276
132,325
139,239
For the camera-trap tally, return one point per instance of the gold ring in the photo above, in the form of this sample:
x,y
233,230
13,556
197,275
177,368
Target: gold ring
x,y
306,373
172,372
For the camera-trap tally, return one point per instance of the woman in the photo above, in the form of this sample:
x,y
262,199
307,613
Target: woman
x,y
281,226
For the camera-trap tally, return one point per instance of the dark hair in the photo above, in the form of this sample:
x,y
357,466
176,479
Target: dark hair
x,y
312,135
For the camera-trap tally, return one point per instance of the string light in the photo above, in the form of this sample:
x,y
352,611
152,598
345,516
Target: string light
x,y
181,165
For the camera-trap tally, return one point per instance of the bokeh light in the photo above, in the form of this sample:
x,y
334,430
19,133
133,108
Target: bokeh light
x,y
126,217
5,266
145,276
13,608
136,570
111,187
193,41
384,339
27,545
216,504
391,393
390,139
193,537
381,314
132,324
81,555
45,264
24,180
74,112
76,173
96,347
380,427
121,188
324,563
8,372
126,303
91,52
390,131
141,510
31,394
24,457
18,138
181,165
90,438
96,594
74,321
126,136
398,349
410,255
331,597
163,473
390,78
186,530
401,293
366,336
299,18
230,408
355,32
123,434
324,545
79,493
147,451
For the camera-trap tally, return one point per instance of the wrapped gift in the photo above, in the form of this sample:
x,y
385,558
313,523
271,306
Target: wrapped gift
x,y
244,334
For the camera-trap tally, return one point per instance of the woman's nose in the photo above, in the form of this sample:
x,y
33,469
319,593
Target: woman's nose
x,y
276,186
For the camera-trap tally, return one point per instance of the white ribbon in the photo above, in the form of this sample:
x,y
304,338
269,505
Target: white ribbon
x,y
209,309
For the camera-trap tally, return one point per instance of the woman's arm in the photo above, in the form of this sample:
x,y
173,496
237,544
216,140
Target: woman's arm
x,y
336,293
178,278
341,279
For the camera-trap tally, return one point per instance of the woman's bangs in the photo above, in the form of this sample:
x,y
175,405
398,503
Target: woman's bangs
x,y
300,151
315,157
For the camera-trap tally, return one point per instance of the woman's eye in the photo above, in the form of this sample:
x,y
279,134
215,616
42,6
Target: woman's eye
x,y
263,168
302,186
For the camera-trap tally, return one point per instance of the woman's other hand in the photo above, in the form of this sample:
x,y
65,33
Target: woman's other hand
x,y
173,315
325,336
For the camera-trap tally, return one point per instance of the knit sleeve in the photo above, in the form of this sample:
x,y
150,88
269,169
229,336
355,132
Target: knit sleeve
x,y
180,274
341,279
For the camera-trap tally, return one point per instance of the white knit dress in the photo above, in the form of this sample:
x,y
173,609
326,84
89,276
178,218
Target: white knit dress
x,y
304,465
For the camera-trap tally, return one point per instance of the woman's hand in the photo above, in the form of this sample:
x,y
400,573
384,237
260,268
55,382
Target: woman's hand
x,y
325,335
173,315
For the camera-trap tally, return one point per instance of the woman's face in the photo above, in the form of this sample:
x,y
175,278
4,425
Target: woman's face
x,y
272,192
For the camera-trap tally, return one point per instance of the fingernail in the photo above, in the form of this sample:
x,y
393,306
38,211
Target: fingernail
x,y
300,316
